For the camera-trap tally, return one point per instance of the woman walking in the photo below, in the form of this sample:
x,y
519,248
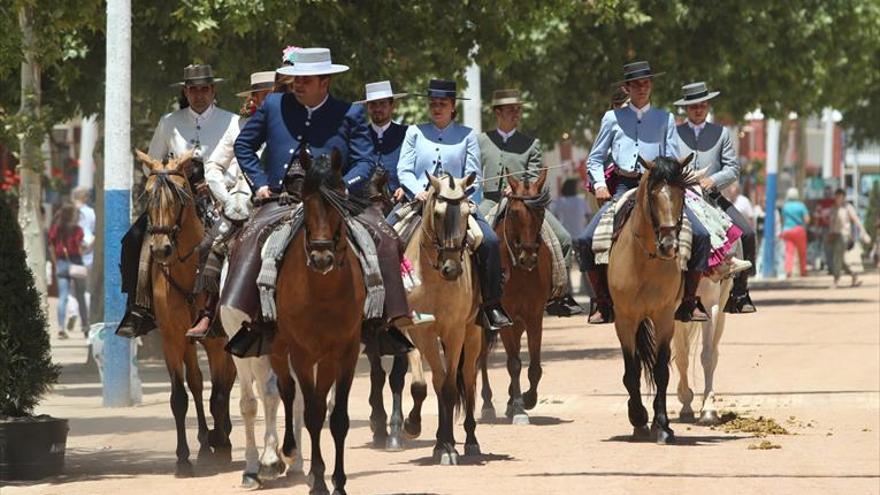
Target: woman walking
x,y
845,230
795,218
66,239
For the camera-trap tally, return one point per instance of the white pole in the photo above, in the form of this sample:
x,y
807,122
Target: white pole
x,y
828,144
473,114
88,137
769,260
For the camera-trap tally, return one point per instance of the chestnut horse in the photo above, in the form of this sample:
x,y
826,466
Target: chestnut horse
x,y
449,291
526,261
321,298
175,231
644,276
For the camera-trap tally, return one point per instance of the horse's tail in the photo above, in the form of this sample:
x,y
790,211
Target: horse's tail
x,y
646,350
461,393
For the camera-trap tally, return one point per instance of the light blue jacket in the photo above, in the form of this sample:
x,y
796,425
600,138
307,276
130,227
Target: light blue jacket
x,y
624,137
427,149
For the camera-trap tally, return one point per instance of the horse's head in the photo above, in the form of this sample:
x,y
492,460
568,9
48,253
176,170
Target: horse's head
x,y
324,223
523,220
377,190
168,197
664,188
446,217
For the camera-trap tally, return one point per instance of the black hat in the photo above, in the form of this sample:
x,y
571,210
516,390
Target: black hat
x,y
198,75
441,88
637,70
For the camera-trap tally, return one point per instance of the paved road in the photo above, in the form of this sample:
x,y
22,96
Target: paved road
x,y
810,359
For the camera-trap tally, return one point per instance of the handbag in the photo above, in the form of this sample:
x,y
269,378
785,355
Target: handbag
x,y
76,270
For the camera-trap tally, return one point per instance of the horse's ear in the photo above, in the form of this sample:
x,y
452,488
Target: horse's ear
x,y
470,179
697,175
451,181
687,160
434,181
183,161
515,184
336,161
542,178
649,165
146,159
305,160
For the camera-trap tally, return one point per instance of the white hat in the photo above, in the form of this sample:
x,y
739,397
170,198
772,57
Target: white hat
x,y
312,62
260,81
380,91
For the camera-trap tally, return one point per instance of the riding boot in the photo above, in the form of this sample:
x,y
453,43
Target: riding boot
x,y
202,325
253,339
739,301
601,306
136,322
691,308
564,306
497,317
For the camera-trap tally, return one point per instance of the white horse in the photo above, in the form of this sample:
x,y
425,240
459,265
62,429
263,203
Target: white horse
x,y
714,296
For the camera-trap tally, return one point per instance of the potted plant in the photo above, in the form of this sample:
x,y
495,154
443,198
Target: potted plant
x,y
31,447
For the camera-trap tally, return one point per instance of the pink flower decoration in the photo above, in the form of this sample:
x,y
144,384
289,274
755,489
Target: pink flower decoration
x,y
289,54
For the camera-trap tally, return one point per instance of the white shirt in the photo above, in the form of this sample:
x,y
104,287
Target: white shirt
x,y
311,110
87,223
697,129
745,207
506,135
184,129
640,111
380,130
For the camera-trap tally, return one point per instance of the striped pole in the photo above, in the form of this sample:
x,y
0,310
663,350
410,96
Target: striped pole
x,y
117,193
769,261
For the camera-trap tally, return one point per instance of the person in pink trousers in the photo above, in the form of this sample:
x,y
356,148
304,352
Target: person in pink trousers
x,y
795,218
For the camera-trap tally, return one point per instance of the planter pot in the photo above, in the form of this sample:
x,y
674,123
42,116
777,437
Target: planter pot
x,y
32,447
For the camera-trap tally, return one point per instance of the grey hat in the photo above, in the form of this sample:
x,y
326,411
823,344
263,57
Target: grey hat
x,y
198,75
695,93
637,70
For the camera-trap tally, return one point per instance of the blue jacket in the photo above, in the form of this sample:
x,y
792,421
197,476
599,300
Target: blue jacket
x,y
388,150
427,149
624,136
283,124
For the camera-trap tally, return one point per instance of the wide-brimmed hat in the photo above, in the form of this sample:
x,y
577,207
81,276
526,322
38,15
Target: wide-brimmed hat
x,y
198,75
637,70
312,62
502,97
695,93
442,88
260,81
380,91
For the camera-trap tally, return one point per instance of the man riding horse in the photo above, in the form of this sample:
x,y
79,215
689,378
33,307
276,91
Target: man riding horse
x,y
198,126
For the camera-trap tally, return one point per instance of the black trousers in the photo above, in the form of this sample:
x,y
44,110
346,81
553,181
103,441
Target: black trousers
x,y
130,255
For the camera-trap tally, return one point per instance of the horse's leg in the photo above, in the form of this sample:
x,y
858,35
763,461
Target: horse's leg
x,y
511,337
487,415
396,380
712,331
632,375
287,392
194,382
174,351
339,421
248,407
449,395
315,397
663,335
412,425
534,333
378,418
271,465
681,347
470,356
222,380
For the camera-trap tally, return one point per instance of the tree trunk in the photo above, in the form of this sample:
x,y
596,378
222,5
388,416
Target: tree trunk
x,y
30,163
784,133
800,162
97,271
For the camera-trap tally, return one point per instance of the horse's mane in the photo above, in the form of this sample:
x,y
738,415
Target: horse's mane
x,y
162,184
667,169
321,178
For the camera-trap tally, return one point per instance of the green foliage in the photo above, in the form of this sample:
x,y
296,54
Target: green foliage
x,y
26,369
872,215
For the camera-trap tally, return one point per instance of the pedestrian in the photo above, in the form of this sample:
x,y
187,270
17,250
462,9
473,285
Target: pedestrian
x,y
66,242
845,230
795,218
574,213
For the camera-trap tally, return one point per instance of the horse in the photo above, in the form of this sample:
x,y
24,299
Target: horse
x,y
645,281
449,291
714,296
175,231
527,262
322,286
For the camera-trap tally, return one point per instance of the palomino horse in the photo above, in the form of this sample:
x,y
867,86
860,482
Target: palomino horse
x,y
714,296
450,292
645,281
175,232
526,261
322,287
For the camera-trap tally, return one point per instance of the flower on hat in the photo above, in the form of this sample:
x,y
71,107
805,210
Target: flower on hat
x,y
289,54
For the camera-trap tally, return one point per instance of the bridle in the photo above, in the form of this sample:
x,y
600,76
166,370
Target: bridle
x,y
334,245
530,248
172,231
655,228
444,246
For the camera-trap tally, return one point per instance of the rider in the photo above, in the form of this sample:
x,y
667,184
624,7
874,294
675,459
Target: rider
x,y
199,125
506,150
310,116
634,130
713,149
222,174
386,133
444,146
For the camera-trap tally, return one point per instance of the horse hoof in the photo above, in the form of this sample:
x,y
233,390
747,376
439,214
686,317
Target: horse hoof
x,y
184,469
250,481
293,461
709,418
393,444
641,433
271,471
411,429
530,399
520,419
686,417
665,437
487,415
223,455
379,441
472,449
338,491
445,457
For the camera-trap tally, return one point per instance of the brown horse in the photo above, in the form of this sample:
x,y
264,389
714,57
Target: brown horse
x,y
321,298
450,292
175,232
526,261
645,280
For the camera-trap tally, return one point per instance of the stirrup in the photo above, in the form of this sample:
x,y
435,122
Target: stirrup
x,y
605,313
